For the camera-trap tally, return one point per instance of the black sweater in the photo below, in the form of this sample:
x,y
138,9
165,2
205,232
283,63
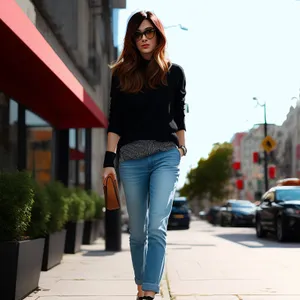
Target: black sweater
x,y
152,114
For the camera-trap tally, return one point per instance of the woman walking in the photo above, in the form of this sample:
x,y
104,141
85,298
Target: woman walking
x,y
147,130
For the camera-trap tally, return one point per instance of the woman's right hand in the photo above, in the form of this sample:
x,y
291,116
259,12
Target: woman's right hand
x,y
107,171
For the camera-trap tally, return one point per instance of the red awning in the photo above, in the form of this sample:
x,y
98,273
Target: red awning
x,y
32,74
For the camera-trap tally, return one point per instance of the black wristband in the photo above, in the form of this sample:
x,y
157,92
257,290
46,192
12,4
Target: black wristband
x,y
109,159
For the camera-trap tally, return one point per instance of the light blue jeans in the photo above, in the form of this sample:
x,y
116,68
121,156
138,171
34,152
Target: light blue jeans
x,y
149,184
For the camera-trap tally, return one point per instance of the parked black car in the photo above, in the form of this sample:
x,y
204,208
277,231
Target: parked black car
x,y
238,212
279,213
213,215
180,214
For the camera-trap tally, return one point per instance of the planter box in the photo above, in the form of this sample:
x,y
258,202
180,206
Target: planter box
x,y
54,249
91,231
97,232
74,236
88,232
21,264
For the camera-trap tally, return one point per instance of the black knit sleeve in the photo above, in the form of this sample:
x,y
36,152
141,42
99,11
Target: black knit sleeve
x,y
115,118
179,103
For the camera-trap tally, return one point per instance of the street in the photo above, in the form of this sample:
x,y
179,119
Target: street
x,y
217,263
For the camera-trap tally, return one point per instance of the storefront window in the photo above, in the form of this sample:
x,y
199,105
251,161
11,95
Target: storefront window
x,y
76,159
8,133
72,161
39,147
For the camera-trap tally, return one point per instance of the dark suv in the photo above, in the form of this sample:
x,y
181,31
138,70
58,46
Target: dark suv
x,y
180,214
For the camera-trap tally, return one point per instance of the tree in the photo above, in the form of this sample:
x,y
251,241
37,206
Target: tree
x,y
211,176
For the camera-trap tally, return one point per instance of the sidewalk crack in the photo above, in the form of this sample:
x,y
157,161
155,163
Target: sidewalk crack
x,y
169,287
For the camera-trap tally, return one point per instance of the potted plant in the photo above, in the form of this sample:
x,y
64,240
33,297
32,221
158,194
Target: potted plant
x,y
54,193
40,212
75,222
99,214
89,218
20,256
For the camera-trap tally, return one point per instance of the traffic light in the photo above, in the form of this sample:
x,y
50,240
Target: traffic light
x,y
239,184
272,172
236,165
256,159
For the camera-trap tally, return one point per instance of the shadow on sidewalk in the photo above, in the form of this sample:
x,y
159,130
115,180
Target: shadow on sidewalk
x,y
100,253
251,241
191,245
206,230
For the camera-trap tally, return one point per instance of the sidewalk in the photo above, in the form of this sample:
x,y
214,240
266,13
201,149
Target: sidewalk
x,y
216,263
92,274
203,263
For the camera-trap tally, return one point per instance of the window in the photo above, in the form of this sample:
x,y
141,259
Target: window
x,y
72,162
39,147
288,194
243,204
76,159
8,133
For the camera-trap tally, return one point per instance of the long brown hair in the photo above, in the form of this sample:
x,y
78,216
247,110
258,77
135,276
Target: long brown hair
x,y
128,65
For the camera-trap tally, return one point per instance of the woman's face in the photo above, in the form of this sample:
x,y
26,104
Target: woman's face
x,y
146,39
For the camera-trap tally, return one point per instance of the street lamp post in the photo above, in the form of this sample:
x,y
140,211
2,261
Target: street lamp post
x,y
297,130
177,25
187,109
297,99
265,135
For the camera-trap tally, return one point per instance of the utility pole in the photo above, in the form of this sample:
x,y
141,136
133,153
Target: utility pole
x,y
266,157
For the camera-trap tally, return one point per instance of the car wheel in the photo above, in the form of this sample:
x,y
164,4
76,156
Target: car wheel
x,y
281,233
260,232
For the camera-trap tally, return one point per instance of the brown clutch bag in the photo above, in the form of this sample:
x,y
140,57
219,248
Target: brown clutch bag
x,y
111,192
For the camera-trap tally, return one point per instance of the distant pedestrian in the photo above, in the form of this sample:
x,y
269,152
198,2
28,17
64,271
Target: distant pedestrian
x,y
147,135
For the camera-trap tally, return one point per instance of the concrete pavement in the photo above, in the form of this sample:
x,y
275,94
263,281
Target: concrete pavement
x,y
205,262
216,263
92,274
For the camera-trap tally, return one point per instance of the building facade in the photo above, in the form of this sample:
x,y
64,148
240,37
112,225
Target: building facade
x,y
253,173
288,150
236,158
54,87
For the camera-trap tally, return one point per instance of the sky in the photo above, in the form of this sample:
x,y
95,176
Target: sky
x,y
234,50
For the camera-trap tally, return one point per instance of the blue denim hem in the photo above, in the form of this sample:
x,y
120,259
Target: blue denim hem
x,y
138,281
151,287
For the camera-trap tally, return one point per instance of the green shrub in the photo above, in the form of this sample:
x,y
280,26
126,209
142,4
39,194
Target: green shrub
x,y
58,205
40,214
99,205
90,205
76,206
16,200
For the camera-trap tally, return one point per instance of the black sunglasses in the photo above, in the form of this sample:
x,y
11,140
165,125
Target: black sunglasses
x,y
149,34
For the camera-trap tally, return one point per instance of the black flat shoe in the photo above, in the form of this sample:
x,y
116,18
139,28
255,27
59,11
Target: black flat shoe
x,y
139,298
147,298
